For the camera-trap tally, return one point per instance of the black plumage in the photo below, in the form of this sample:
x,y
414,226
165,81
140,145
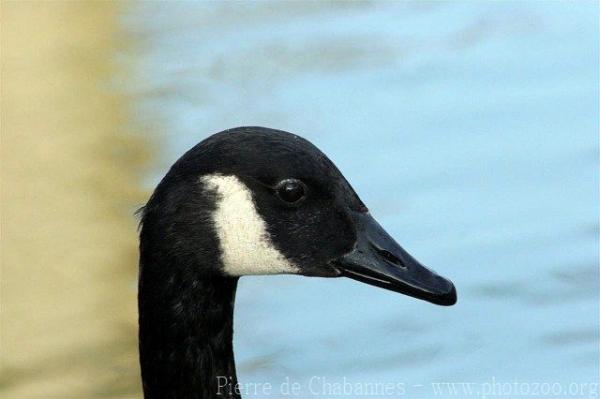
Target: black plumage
x,y
186,300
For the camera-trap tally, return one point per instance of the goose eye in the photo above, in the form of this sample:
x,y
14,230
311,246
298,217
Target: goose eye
x,y
291,190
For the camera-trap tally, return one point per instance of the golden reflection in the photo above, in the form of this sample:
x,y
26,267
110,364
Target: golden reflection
x,y
70,168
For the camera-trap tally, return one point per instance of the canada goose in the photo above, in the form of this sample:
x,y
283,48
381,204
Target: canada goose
x,y
245,201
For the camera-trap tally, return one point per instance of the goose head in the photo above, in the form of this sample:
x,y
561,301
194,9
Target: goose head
x,y
260,201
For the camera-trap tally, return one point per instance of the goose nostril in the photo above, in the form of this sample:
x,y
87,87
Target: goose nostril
x,y
390,257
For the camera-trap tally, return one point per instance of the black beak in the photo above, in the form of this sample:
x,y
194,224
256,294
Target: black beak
x,y
378,260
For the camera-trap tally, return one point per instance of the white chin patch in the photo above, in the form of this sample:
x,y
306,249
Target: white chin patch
x,y
246,247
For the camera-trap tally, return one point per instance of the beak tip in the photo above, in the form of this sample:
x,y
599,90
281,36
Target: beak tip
x,y
448,298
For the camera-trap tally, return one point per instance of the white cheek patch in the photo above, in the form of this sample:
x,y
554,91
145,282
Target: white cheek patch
x,y
246,247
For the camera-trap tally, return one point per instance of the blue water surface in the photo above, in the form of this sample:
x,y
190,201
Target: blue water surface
x,y
471,132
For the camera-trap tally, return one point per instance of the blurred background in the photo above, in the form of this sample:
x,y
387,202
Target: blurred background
x,y
469,129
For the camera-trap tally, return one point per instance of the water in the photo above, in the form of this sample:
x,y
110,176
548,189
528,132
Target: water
x,y
471,132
